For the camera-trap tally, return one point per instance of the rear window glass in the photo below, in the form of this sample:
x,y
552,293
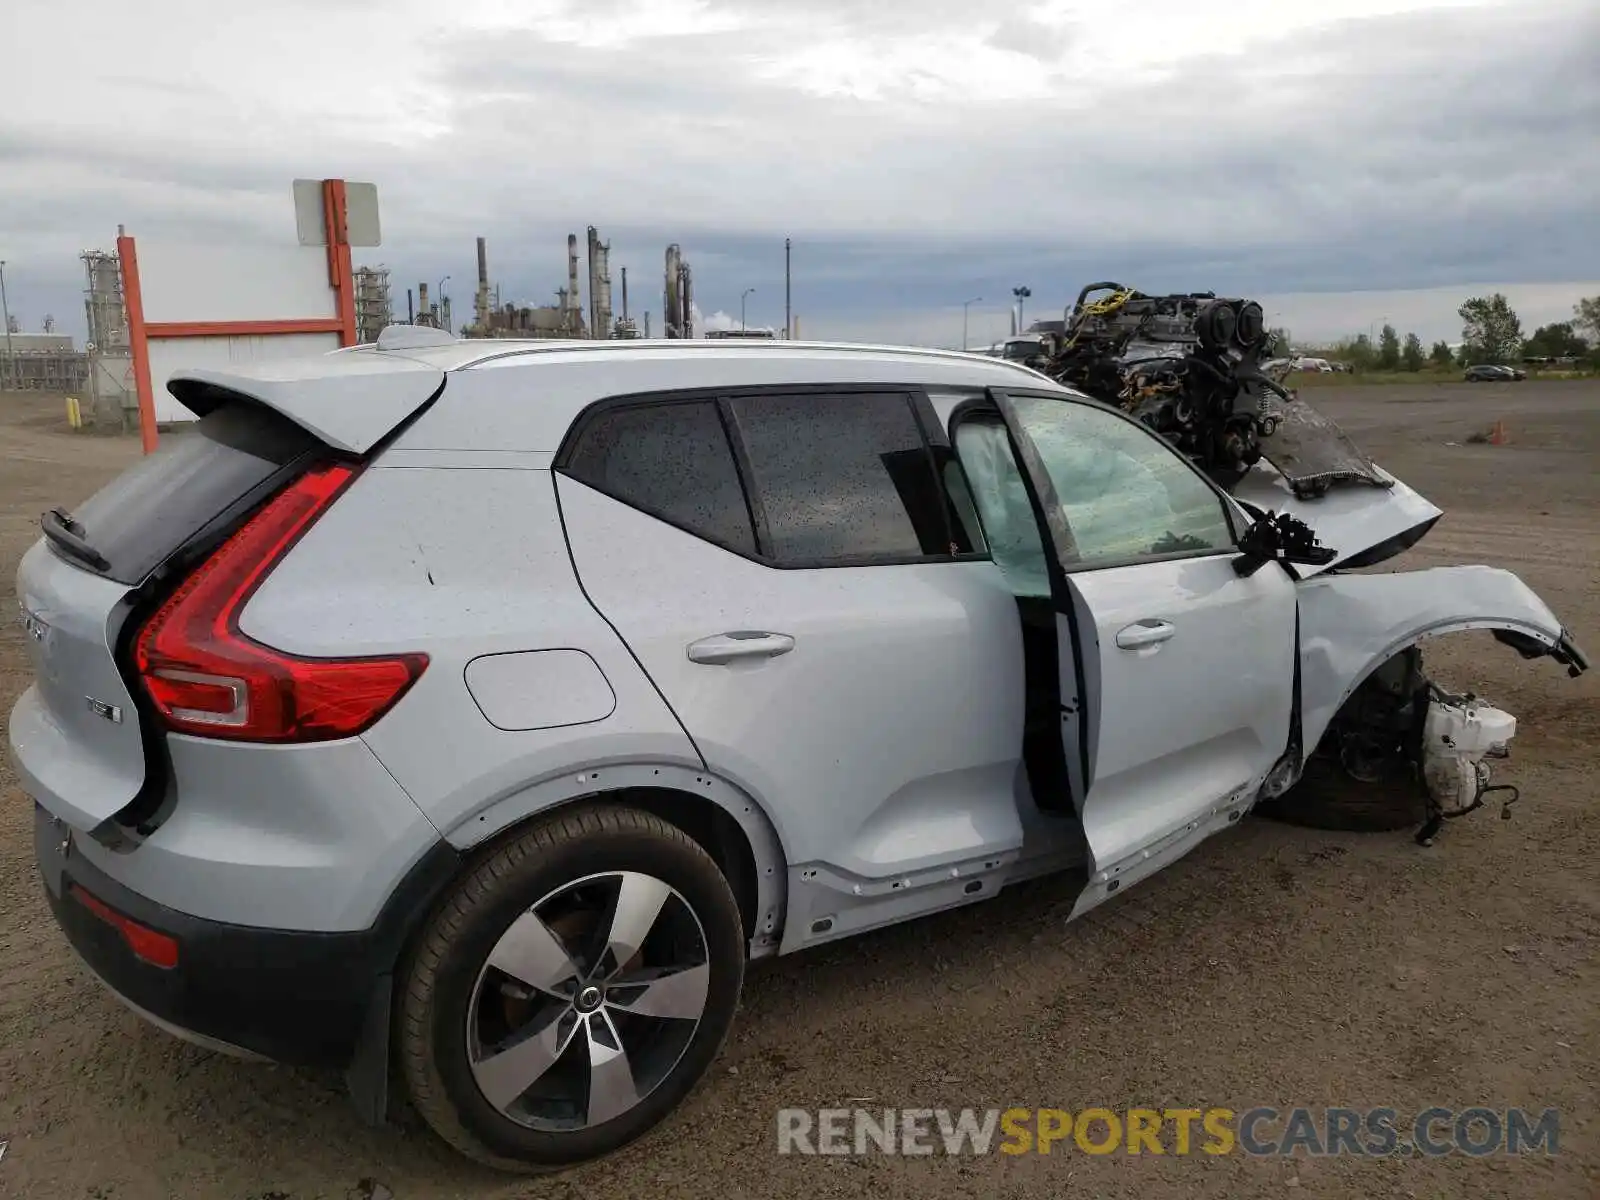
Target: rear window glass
x,y
143,515
672,461
844,478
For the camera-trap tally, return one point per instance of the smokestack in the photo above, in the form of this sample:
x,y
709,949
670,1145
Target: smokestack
x,y
602,291
422,304
411,312
624,295
669,298
589,258
599,286
574,301
788,320
686,295
480,304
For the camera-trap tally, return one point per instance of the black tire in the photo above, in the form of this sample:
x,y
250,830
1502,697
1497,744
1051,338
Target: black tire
x,y
1327,798
441,973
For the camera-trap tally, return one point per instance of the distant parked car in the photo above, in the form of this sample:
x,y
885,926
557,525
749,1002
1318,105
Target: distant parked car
x,y
1493,373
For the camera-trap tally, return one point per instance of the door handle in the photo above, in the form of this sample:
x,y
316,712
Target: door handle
x,y
743,643
1148,632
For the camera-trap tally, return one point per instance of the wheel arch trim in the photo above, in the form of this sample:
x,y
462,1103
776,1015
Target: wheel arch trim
x,y
768,855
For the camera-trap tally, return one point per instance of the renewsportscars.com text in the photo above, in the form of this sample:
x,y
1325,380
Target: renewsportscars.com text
x,y
1477,1131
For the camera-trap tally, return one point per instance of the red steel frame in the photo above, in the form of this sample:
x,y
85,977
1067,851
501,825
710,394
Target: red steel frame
x,y
140,332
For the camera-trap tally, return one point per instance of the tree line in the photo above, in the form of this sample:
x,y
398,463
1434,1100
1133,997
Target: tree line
x,y
1491,332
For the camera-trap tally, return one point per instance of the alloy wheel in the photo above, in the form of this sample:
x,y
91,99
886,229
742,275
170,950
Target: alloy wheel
x,y
588,1001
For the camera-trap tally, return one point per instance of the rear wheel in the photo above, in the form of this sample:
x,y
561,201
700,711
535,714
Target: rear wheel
x,y
571,990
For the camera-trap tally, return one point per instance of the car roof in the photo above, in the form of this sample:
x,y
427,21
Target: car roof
x,y
352,397
469,353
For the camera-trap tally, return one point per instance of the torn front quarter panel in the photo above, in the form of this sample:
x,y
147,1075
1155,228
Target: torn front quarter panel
x,y
1352,624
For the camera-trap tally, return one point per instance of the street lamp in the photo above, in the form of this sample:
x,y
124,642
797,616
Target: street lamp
x,y
742,295
966,305
1022,294
5,320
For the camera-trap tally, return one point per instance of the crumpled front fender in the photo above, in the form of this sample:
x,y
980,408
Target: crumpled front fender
x,y
1352,624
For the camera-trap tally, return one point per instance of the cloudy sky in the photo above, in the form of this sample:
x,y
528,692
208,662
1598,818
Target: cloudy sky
x,y
1344,160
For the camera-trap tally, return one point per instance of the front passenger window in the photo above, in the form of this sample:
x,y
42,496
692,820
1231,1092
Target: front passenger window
x,y
1126,494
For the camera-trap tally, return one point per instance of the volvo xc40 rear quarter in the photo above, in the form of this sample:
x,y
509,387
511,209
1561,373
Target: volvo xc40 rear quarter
x,y
317,683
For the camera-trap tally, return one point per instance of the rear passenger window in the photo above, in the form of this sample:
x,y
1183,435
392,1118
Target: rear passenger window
x,y
843,477
672,461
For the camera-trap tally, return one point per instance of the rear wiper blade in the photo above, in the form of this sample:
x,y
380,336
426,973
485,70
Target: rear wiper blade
x,y
68,534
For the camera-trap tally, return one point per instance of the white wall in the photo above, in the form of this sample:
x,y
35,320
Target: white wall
x,y
219,353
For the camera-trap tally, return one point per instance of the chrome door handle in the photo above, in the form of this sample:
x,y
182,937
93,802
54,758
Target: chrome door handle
x,y
743,643
1149,632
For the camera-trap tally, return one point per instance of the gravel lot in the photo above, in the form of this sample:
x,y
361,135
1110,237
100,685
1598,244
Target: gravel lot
x,y
1275,966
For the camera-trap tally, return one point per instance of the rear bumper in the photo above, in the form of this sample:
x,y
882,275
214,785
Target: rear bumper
x,y
290,996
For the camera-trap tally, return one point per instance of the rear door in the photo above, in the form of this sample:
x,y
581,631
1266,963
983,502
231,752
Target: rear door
x,y
787,568
77,734
1177,675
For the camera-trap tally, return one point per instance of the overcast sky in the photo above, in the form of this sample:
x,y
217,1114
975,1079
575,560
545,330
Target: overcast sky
x,y
919,152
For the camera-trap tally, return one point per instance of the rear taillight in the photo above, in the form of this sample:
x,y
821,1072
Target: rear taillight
x,y
206,677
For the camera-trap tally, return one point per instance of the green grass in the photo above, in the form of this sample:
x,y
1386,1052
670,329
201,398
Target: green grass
x,y
1310,379
1316,379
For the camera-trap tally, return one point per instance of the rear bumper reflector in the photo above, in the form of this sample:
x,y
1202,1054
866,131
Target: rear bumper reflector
x,y
157,949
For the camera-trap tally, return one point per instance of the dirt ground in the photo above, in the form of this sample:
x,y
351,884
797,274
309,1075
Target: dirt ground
x,y
1275,966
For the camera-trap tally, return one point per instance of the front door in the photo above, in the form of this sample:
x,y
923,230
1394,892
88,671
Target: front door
x,y
1176,674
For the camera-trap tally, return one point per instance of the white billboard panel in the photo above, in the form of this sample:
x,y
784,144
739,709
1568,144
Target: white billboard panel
x,y
229,282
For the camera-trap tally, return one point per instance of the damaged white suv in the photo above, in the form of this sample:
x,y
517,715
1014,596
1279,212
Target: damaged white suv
x,y
484,706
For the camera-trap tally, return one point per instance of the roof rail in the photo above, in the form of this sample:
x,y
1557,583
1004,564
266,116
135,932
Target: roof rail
x,y
723,346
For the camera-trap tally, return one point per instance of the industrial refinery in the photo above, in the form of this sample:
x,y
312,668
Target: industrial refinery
x,y
586,306
570,317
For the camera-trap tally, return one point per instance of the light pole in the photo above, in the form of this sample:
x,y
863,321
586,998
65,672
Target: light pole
x,y
742,295
5,319
966,305
1022,294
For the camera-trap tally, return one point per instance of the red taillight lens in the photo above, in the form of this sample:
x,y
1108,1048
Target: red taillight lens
x,y
206,677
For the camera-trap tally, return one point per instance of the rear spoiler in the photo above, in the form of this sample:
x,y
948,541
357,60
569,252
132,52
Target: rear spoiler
x,y
351,401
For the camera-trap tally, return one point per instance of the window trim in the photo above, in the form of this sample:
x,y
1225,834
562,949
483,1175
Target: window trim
x,y
919,405
980,408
